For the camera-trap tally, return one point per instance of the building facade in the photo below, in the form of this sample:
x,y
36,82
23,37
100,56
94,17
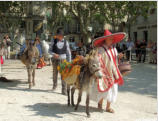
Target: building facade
x,y
32,23
145,28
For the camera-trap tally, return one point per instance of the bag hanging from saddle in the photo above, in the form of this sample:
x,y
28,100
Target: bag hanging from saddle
x,y
41,62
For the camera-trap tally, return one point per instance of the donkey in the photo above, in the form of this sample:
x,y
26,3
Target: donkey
x,y
89,71
30,58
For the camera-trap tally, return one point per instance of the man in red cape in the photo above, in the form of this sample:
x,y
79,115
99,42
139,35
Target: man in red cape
x,y
108,51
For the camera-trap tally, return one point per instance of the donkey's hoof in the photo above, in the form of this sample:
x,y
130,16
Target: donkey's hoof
x,y
68,104
73,104
88,115
75,108
101,110
30,86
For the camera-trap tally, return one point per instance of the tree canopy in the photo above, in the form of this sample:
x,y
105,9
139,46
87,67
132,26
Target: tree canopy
x,y
86,13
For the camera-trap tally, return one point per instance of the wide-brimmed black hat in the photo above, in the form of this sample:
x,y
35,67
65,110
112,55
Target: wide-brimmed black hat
x,y
60,31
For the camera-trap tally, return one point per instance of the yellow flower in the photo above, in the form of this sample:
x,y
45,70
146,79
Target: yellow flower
x,y
58,68
65,61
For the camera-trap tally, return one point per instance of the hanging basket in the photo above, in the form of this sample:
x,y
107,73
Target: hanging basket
x,y
125,68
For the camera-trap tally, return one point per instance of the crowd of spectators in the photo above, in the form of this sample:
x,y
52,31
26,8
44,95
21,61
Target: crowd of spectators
x,y
140,49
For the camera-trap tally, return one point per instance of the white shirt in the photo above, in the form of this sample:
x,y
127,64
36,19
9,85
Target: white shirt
x,y
130,45
60,45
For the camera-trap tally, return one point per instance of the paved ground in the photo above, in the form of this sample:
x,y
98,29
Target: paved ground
x,y
136,99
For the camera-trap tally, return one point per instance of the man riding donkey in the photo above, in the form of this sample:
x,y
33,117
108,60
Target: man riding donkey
x,y
107,87
60,51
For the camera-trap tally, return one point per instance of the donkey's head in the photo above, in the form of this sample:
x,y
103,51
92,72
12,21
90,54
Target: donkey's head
x,y
94,64
32,51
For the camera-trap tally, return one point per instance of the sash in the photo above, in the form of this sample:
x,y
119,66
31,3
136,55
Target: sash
x,y
106,82
113,57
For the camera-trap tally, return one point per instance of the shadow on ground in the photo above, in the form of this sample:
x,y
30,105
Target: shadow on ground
x,y
142,80
55,109
13,85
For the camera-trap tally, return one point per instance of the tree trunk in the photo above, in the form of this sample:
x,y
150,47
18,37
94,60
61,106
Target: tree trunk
x,y
86,38
129,30
85,33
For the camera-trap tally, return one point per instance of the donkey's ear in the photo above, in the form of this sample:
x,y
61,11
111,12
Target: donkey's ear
x,y
93,52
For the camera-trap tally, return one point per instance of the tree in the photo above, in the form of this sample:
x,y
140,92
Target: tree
x,y
56,17
12,10
124,13
11,16
115,13
83,13
135,9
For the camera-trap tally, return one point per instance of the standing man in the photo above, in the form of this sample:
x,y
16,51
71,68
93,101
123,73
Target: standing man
x,y
60,51
143,46
137,50
129,46
111,74
7,44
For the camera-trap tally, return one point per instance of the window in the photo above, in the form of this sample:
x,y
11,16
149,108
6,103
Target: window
x,y
145,34
23,24
135,36
152,11
78,28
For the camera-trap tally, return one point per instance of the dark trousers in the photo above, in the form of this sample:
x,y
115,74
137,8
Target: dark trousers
x,y
142,52
55,63
128,55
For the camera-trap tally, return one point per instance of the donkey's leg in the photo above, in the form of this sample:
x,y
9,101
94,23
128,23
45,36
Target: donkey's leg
x,y
72,96
29,77
33,76
87,105
49,61
79,99
68,94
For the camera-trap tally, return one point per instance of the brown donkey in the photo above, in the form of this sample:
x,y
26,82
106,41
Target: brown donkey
x,y
89,71
30,58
